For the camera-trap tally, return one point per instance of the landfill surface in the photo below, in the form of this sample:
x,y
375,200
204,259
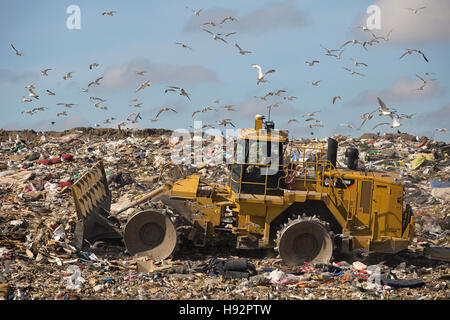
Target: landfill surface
x,y
37,221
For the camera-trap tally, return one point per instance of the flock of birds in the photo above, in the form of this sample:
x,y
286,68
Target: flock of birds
x,y
134,117
382,110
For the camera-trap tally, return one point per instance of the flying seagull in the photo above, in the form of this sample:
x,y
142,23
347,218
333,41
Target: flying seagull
x,y
215,36
367,116
229,108
353,72
351,42
318,124
316,83
181,90
93,65
98,104
329,52
309,114
415,11
335,98
33,94
208,109
357,64
163,110
196,12
212,23
363,28
143,85
395,121
279,92
229,18
383,110
338,57
96,82
380,124
68,76
44,72
407,116
225,122
67,105
411,51
261,75
425,81
421,87
243,52
370,43
50,93
25,99
140,73
97,99
136,116
108,13
226,34
195,112
33,111
386,38
183,45
17,52
347,125
311,64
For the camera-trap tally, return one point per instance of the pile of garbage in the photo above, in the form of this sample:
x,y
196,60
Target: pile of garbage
x,y
37,224
422,165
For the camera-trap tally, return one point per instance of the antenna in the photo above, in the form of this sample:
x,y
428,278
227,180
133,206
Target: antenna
x,y
270,108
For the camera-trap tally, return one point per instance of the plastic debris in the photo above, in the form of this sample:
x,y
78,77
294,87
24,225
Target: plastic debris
x,y
38,218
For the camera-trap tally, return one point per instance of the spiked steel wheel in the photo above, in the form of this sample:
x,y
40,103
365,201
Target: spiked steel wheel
x,y
305,239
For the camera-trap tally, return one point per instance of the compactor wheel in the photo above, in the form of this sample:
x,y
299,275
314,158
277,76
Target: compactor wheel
x,y
150,233
305,239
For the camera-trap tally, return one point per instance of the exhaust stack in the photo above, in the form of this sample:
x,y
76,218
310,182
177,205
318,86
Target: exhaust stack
x,y
332,151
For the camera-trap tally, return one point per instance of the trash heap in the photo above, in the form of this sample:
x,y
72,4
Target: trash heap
x,y
37,223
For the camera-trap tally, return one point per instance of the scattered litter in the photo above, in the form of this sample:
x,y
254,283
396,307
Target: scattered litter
x,y
38,223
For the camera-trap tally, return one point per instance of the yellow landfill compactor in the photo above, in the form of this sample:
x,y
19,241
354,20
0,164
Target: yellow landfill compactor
x,y
279,195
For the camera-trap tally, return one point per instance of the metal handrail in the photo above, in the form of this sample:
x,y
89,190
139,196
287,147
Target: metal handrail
x,y
305,164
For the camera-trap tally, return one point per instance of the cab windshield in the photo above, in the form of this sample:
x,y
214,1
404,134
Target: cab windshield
x,y
257,152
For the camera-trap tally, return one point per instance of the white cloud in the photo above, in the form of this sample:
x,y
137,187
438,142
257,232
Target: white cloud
x,y
17,78
436,118
272,16
427,123
431,24
402,90
124,77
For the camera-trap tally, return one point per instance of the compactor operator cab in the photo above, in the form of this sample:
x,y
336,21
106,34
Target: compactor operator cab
x,y
258,166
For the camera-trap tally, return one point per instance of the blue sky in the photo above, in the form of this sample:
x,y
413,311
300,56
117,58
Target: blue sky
x,y
282,35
